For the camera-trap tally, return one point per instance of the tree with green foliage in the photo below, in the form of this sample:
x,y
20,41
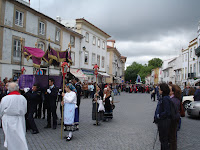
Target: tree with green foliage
x,y
143,70
155,62
132,71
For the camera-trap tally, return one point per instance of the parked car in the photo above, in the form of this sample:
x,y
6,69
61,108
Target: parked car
x,y
194,109
187,100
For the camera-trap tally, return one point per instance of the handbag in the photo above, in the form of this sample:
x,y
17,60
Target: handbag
x,y
101,106
182,110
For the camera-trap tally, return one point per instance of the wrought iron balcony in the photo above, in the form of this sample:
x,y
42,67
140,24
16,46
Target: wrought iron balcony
x,y
197,51
191,75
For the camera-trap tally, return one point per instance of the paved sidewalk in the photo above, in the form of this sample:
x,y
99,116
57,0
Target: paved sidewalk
x,y
130,129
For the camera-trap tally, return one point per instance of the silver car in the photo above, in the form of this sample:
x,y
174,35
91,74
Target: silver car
x,y
194,109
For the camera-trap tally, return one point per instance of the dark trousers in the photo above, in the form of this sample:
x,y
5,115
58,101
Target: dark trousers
x,y
44,108
51,111
163,129
39,110
172,135
153,95
85,93
179,125
31,119
61,110
91,94
27,122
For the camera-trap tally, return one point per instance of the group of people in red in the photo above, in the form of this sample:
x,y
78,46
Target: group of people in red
x,y
141,88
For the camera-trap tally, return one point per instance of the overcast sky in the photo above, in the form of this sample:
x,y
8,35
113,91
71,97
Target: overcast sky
x,y
143,29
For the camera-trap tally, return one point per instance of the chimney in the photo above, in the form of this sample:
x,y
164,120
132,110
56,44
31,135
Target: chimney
x,y
58,19
25,2
111,43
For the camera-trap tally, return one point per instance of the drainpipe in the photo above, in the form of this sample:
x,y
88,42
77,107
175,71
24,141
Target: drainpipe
x,y
80,54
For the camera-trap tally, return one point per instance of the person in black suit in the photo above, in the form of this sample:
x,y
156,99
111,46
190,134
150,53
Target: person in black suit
x,y
33,98
78,94
77,110
51,95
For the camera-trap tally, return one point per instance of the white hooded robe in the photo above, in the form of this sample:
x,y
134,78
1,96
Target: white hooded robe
x,y
12,110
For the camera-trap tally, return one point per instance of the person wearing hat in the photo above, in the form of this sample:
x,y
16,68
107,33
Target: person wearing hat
x,y
69,102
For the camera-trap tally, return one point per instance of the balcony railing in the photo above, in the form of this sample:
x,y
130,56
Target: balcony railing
x,y
191,75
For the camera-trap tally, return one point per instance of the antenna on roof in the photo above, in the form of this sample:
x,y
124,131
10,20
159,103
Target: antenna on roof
x,y
39,5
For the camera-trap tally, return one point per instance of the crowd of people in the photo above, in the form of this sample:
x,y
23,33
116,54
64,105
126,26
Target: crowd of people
x,y
42,104
35,102
168,114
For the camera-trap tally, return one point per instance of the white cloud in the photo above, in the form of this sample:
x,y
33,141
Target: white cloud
x,y
143,29
143,51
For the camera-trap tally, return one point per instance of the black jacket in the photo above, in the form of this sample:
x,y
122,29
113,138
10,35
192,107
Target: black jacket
x,y
78,88
52,97
162,109
33,98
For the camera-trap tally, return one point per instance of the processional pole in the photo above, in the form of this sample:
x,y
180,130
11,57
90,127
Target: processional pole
x,y
64,66
21,42
96,67
48,57
69,55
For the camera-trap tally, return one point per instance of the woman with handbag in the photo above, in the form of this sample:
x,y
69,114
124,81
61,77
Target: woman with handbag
x,y
108,103
175,95
97,106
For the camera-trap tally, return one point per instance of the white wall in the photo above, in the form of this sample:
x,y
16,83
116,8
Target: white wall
x,y
6,68
31,23
76,49
9,11
93,48
185,65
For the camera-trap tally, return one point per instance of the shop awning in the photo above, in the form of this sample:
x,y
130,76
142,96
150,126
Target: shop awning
x,y
78,73
88,72
196,81
104,74
117,78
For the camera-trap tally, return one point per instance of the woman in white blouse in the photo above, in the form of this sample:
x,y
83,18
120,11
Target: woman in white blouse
x,y
69,102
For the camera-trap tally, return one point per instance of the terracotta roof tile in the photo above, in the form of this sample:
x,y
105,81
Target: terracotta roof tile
x,y
109,46
111,41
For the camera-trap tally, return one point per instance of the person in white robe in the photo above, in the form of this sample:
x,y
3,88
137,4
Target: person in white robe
x,y
69,102
13,108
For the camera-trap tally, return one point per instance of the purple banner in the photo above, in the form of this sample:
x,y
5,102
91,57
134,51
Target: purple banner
x,y
26,81
42,80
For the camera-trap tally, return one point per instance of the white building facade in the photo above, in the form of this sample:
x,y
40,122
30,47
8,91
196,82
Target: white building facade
x,y
115,65
93,47
192,62
178,70
20,22
197,53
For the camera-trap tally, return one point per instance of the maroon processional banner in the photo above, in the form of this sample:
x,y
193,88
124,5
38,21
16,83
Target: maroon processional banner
x,y
51,55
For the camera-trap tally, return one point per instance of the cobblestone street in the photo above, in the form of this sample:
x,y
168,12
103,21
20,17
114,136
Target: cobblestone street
x,y
130,129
